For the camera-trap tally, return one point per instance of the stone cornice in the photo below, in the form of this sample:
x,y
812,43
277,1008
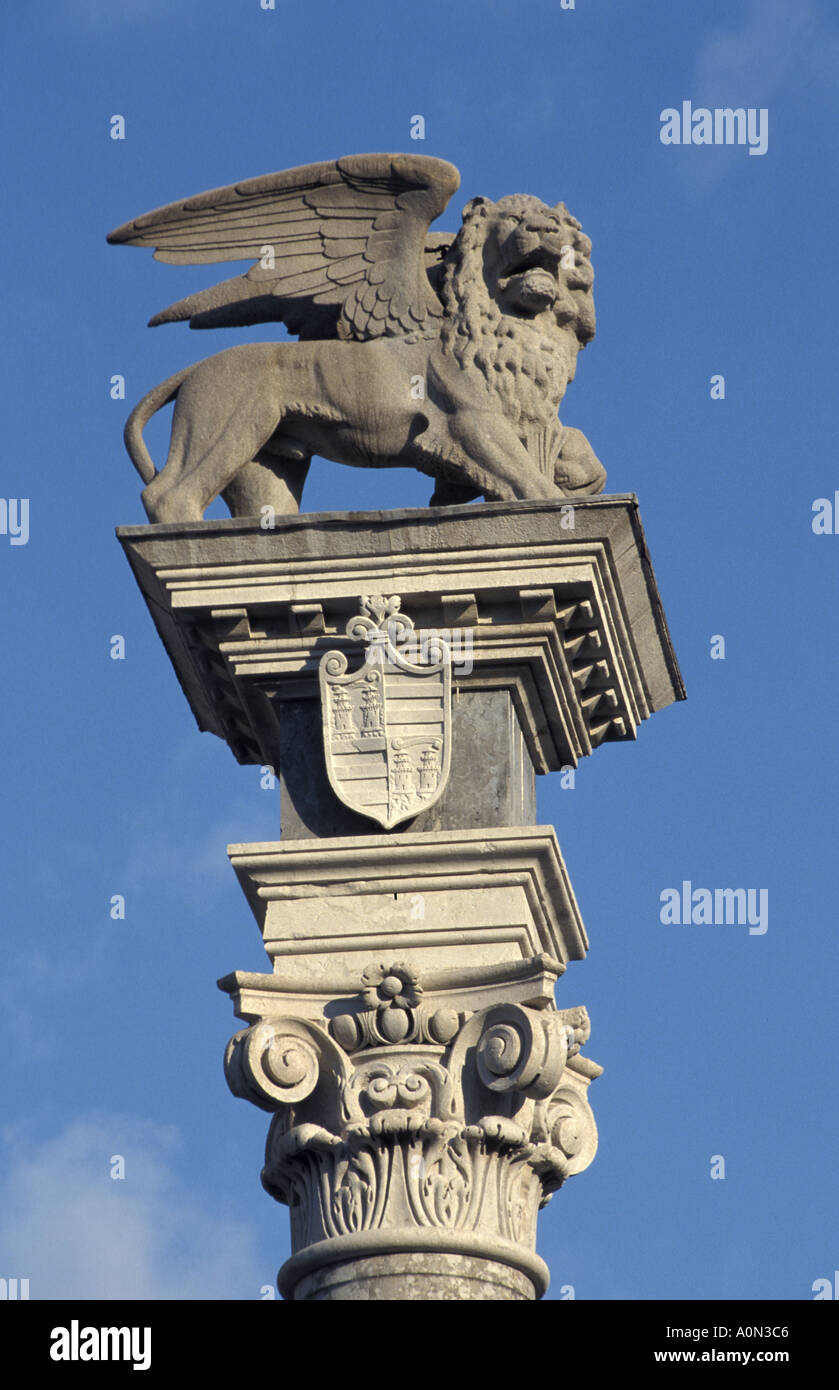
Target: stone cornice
x,y
569,621
464,989
489,897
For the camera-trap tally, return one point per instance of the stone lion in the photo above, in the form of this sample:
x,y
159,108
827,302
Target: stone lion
x,y
447,354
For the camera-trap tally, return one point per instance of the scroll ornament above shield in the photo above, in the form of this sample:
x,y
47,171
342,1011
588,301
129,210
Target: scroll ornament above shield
x,y
387,726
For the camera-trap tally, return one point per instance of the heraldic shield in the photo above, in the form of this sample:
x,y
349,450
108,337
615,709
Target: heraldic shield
x,y
387,726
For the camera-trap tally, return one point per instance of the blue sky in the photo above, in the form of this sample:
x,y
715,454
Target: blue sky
x,y
708,261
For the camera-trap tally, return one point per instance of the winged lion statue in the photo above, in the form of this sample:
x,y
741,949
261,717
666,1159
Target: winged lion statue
x,y
446,353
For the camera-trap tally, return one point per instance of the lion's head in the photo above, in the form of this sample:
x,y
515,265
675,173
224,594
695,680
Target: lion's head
x,y
517,292
537,260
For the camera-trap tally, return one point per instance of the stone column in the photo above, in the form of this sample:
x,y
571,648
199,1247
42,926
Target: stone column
x,y
413,1148
427,1095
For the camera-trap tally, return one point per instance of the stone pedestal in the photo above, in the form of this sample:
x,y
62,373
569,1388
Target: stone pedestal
x,y
481,791
421,1108
428,1096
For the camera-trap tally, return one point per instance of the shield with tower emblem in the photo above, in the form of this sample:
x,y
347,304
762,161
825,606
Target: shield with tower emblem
x,y
387,726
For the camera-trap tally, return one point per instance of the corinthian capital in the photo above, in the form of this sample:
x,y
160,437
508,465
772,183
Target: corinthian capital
x,y
448,1147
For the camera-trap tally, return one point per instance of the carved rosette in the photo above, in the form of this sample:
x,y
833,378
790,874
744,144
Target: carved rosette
x,y
383,1138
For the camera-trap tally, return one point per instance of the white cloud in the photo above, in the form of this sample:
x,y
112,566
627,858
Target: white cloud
x,y
75,1232
782,54
779,44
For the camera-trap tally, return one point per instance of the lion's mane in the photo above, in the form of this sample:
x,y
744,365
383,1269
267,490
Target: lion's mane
x,y
522,363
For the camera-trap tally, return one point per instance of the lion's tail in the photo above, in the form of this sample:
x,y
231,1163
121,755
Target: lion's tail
x,y
138,419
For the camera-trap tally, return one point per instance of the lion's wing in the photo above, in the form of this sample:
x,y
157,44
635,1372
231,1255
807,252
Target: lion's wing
x,y
340,246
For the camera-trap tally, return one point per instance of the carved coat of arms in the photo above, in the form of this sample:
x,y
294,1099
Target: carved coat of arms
x,y
387,726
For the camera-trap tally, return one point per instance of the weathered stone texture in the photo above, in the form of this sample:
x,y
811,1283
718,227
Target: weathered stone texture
x,y
416,1277
447,354
427,1094
482,790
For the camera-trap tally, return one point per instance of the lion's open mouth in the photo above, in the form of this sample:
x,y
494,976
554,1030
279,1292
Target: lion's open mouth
x,y
538,282
540,258
530,287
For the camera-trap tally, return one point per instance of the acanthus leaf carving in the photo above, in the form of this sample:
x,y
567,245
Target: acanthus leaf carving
x,y
416,1135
